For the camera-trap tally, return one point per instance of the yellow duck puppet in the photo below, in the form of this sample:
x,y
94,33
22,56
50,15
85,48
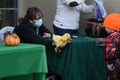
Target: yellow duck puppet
x,y
61,41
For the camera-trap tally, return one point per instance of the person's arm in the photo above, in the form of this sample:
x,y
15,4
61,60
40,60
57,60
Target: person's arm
x,y
29,35
87,8
44,31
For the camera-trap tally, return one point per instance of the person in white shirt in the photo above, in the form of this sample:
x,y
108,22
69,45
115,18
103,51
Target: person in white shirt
x,y
67,16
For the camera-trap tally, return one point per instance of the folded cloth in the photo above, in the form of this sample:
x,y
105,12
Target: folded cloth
x,y
100,42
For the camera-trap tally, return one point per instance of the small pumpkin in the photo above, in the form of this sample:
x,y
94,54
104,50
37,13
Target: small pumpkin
x,y
12,40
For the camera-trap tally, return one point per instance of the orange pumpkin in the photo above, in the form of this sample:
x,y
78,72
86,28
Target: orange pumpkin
x,y
12,40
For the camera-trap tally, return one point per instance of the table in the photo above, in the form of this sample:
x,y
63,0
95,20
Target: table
x,y
20,62
79,60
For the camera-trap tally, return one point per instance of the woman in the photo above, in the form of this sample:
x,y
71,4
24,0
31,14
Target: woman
x,y
32,30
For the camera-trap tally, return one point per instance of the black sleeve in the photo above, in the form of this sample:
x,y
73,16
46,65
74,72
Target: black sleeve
x,y
43,29
29,35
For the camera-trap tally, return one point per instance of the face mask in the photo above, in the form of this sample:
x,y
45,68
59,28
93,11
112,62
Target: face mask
x,y
38,22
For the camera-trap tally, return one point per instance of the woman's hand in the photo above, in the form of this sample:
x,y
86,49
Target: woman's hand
x,y
73,4
46,35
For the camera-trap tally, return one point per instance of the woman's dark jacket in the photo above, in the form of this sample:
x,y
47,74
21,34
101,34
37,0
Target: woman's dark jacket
x,y
28,34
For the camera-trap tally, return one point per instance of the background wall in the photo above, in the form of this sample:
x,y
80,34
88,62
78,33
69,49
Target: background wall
x,y
48,8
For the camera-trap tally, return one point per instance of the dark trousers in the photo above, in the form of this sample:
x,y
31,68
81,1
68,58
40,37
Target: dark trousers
x,y
60,31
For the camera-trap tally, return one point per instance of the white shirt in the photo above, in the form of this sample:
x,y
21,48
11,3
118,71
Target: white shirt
x,y
68,17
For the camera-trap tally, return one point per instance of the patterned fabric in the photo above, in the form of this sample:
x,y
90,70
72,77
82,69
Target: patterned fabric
x,y
112,44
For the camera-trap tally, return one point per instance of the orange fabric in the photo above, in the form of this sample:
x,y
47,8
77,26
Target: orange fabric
x,y
112,21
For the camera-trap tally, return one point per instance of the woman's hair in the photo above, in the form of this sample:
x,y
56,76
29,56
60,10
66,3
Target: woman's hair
x,y
32,12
